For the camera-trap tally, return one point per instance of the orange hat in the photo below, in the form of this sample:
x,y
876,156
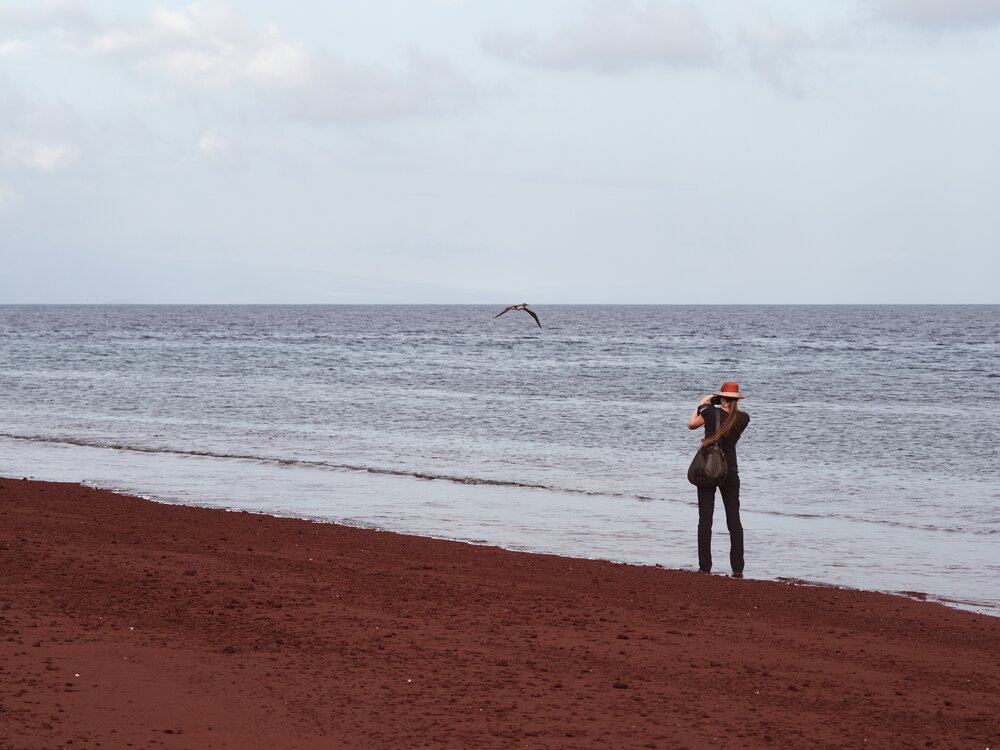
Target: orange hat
x,y
729,389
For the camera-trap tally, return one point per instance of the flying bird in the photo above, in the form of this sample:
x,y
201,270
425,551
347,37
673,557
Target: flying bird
x,y
523,307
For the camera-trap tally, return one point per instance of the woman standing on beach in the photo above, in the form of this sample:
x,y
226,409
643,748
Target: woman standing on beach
x,y
722,425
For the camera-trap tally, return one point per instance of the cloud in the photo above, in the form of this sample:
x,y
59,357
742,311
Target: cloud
x,y
772,49
40,156
13,48
615,36
213,145
37,136
426,86
939,15
56,19
207,47
51,15
8,198
212,49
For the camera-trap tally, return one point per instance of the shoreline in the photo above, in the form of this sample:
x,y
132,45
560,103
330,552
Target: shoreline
x,y
645,533
985,606
125,620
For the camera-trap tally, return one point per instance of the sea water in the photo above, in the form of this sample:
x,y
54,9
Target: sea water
x,y
872,457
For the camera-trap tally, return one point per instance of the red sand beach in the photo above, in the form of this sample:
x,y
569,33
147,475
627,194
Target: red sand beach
x,y
127,623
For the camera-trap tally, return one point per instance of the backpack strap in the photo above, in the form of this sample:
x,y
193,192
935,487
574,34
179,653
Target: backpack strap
x,y
719,414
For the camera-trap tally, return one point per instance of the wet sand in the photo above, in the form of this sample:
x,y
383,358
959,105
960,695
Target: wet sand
x,y
127,623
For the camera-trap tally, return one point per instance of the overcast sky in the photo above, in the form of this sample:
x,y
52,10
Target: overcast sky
x,y
548,151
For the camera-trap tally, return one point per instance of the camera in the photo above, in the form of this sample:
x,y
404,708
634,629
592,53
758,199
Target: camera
x,y
716,400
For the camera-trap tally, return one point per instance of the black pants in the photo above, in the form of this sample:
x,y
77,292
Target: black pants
x,y
730,490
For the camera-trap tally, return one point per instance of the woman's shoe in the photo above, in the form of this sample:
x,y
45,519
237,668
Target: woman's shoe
x,y
737,575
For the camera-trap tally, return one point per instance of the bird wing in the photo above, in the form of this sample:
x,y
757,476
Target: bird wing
x,y
506,309
532,314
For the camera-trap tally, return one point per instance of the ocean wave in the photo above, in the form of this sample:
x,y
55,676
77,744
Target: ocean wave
x,y
880,522
469,480
306,463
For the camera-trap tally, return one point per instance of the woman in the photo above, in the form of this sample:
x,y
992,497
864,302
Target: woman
x,y
723,425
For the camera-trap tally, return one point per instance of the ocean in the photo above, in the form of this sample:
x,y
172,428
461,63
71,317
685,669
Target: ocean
x,y
872,458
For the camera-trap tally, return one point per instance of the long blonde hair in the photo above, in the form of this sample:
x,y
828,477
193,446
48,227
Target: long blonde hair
x,y
727,425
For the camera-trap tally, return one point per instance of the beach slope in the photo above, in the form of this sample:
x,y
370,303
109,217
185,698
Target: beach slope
x,y
128,623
